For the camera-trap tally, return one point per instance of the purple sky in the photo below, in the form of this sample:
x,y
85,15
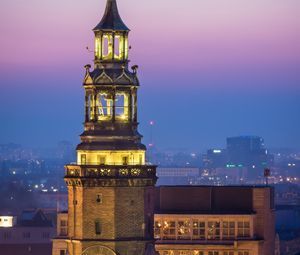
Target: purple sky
x,y
209,69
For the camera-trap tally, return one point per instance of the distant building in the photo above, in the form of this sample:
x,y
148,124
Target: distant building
x,y
176,176
28,234
215,158
247,151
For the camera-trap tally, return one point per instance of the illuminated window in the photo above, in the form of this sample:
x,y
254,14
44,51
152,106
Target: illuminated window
x,y
228,230
184,229
213,230
157,229
169,230
83,159
198,229
243,229
104,106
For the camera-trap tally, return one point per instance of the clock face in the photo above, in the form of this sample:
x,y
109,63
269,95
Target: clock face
x,y
98,250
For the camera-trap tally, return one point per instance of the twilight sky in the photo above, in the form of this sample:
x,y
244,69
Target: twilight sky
x,y
208,68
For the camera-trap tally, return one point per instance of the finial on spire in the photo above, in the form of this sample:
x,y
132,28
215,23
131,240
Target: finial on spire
x,y
111,19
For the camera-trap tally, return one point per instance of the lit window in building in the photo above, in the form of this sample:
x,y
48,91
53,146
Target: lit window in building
x,y
83,159
198,229
157,229
169,230
184,229
213,230
213,253
101,160
243,229
228,229
125,160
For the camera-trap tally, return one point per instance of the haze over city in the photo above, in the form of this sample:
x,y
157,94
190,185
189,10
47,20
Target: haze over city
x,y
214,68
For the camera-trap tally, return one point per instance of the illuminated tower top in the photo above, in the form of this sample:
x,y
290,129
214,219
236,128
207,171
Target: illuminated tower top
x,y
111,112
111,39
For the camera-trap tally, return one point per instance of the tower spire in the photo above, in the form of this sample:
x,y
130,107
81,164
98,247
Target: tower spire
x,y
111,19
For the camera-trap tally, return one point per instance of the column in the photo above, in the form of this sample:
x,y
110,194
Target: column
x,y
114,105
86,107
130,107
135,105
95,106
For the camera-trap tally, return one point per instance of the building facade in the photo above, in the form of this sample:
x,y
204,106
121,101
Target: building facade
x,y
109,187
210,220
29,233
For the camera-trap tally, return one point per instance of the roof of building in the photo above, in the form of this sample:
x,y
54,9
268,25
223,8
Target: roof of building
x,y
108,77
111,19
33,218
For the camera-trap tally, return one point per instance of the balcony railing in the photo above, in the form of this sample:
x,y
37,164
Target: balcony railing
x,y
110,171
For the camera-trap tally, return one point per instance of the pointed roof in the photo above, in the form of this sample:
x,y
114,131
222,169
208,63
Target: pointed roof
x,y
111,19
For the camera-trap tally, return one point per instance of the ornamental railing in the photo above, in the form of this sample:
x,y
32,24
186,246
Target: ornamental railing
x,y
110,171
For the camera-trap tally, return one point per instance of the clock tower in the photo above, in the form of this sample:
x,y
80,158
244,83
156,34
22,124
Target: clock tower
x,y
110,201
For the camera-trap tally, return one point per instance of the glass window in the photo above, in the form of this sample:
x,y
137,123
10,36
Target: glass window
x,y
184,229
243,229
213,230
198,229
62,252
213,253
228,253
157,229
228,230
243,253
169,229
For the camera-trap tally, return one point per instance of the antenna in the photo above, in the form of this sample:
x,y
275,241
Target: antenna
x,y
88,49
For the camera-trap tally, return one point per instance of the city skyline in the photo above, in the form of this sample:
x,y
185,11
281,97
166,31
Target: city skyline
x,y
238,75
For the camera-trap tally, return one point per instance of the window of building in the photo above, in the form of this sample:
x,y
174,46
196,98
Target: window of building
x,y
125,160
228,229
243,229
26,235
157,229
213,230
83,159
169,230
46,235
7,235
198,229
184,229
228,253
97,227
101,160
213,253
62,252
243,253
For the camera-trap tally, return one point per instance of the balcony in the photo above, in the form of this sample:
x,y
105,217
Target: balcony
x,y
111,171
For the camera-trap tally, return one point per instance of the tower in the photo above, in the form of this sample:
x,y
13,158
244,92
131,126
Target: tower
x,y
109,188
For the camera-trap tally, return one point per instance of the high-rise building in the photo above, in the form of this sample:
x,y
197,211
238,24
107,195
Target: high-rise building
x,y
109,188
